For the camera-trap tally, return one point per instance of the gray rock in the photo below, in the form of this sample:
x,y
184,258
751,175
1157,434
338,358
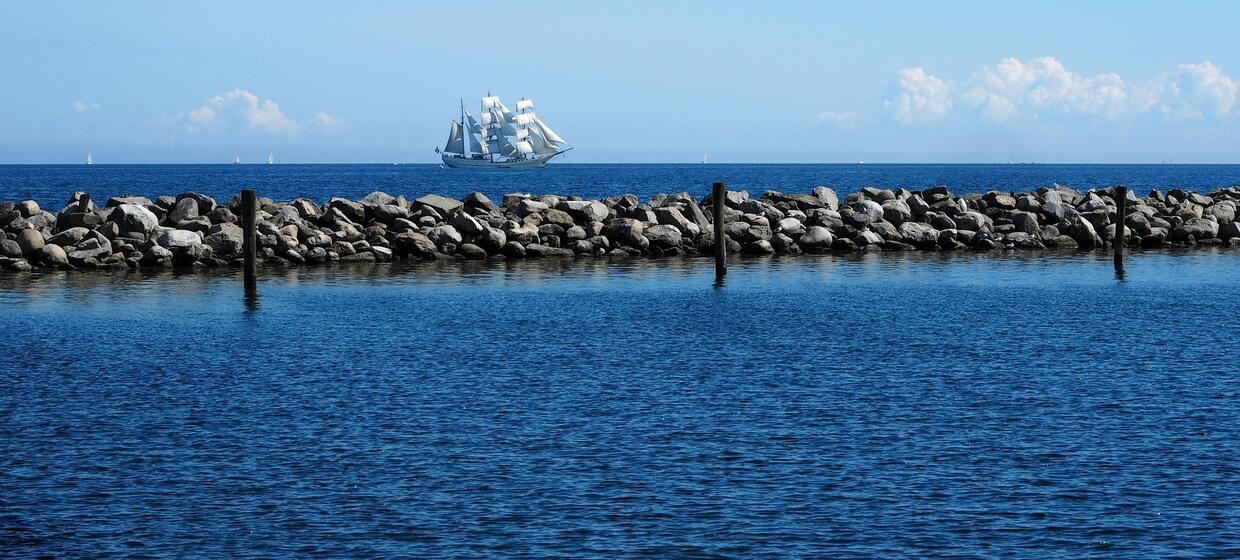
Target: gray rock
x,y
185,209
672,216
466,224
1199,228
444,234
442,205
759,247
816,238
226,242
897,212
9,248
29,241
492,240
480,201
53,255
512,249
1026,222
626,231
919,235
663,236
115,201
205,203
971,221
177,240
27,208
525,207
828,197
69,236
377,198
1082,231
585,210
1229,231
471,251
1223,212
345,208
132,218
388,213
791,227
867,237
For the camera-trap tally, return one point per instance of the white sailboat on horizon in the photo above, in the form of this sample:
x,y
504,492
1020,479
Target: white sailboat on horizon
x,y
502,140
270,158
237,160
705,157
89,160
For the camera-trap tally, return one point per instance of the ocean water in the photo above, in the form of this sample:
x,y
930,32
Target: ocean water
x,y
51,185
901,405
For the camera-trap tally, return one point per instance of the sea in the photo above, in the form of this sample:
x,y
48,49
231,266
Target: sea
x,y
912,405
51,185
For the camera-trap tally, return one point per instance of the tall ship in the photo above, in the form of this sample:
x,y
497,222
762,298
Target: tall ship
x,y
500,138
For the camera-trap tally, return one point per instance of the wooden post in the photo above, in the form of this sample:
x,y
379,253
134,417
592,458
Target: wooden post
x,y
84,203
249,205
1121,208
719,196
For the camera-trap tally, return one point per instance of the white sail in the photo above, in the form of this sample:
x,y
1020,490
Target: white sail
x,y
540,144
524,148
483,147
456,142
504,147
524,119
489,102
504,124
473,124
271,158
525,104
89,160
523,133
552,138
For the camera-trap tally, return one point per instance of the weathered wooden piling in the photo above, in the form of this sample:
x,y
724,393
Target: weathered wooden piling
x,y
249,206
718,196
1121,208
83,203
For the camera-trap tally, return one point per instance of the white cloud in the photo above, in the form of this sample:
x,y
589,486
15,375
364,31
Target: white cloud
x,y
845,119
1192,90
328,121
244,107
1013,89
922,98
82,106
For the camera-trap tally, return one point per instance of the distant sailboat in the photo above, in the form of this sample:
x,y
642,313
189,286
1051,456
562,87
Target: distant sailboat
x,y
705,157
89,160
236,160
270,159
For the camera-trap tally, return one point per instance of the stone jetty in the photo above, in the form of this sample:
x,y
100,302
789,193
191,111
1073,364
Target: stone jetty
x,y
195,230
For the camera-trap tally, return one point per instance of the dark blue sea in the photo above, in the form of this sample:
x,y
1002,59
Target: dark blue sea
x,y
1007,405
51,185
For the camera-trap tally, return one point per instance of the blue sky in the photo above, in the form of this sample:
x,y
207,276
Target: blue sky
x,y
137,82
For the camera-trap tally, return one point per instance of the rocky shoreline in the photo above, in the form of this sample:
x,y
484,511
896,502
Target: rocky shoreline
x,y
194,230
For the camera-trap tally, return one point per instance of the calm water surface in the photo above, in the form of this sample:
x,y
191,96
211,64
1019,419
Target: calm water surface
x,y
51,185
877,406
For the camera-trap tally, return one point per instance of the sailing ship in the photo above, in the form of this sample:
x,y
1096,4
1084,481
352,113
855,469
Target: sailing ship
x,y
237,160
500,138
270,159
89,160
705,157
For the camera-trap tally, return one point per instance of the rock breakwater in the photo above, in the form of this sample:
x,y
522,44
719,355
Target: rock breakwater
x,y
195,230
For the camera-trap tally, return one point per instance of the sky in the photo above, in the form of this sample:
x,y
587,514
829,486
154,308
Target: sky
x,y
664,81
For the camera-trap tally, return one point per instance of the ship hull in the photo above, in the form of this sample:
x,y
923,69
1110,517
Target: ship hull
x,y
467,163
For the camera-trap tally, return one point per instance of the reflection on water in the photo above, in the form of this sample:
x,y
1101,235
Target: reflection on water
x,y
854,405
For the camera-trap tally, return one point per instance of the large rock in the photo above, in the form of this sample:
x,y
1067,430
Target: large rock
x,y
444,234
442,205
919,235
671,216
27,208
10,248
351,211
205,203
226,241
791,227
177,240
116,201
29,241
897,212
585,210
663,236
389,213
185,209
828,197
1082,231
1026,222
816,238
1199,228
626,231
377,198
970,221
480,201
466,224
527,206
53,255
417,244
132,218
69,236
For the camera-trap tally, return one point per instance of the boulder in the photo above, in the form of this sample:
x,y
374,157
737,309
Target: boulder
x,y
132,218
971,221
1082,231
444,234
897,212
225,242
480,201
867,237
116,201
526,206
663,236
415,243
791,227
626,231
1199,228
472,252
1026,222
816,238
9,248
388,213
53,255
827,196
27,208
205,203
442,205
69,236
512,249
585,210
29,241
185,209
377,198
996,199
919,235
177,240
